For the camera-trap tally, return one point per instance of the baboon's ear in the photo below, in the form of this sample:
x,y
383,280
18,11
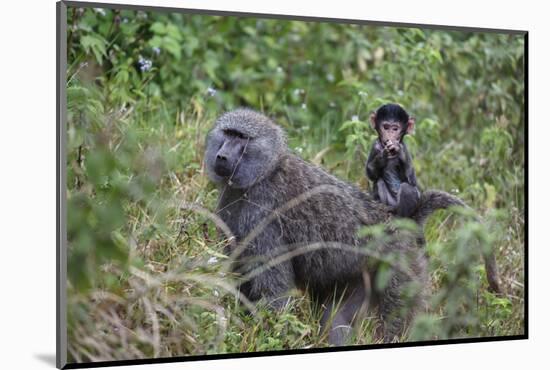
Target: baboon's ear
x,y
373,120
410,125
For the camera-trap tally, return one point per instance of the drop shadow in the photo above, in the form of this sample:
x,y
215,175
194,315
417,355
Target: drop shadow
x,y
47,358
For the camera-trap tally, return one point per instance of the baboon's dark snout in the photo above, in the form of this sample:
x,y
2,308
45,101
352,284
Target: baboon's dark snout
x,y
222,167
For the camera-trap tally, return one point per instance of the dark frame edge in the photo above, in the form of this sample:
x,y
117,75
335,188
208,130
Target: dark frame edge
x,y
164,360
526,184
61,230
289,17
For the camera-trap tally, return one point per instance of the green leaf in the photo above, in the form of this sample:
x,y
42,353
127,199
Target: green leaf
x,y
383,277
95,44
173,32
190,44
172,46
158,28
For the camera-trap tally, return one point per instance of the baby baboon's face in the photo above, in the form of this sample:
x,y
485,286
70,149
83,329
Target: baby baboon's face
x,y
390,132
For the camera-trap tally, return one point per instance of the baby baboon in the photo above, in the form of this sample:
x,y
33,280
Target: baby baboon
x,y
389,165
296,227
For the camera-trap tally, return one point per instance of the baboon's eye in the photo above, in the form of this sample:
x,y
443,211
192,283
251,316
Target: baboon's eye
x,y
235,133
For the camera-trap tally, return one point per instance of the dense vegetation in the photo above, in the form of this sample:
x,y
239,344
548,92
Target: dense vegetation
x,y
147,278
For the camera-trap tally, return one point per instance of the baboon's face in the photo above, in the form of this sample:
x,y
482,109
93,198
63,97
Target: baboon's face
x,y
390,132
235,158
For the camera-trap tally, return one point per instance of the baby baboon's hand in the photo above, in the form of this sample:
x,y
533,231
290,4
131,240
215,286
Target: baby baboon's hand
x,y
378,146
392,149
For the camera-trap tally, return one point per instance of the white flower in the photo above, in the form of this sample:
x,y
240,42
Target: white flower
x,y
355,118
211,91
212,260
144,64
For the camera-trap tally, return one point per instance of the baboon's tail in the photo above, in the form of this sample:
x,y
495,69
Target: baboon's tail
x,y
431,201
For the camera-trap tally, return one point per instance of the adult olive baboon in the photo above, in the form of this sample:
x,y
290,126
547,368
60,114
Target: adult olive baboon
x,y
296,227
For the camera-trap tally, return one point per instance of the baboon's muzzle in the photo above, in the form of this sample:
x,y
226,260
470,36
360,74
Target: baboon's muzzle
x,y
222,168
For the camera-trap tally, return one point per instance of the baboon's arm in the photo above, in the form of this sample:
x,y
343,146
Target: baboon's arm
x,y
375,163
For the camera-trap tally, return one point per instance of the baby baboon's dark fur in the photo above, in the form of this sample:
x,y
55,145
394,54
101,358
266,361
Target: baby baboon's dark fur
x,y
259,179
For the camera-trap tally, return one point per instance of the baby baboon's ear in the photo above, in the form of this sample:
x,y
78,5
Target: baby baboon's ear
x,y
410,125
372,120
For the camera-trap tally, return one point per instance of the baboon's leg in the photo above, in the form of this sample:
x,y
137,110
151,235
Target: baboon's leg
x,y
342,319
269,284
408,198
390,313
384,193
398,303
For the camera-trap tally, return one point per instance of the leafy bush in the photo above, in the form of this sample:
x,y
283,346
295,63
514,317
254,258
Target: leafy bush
x,y
147,277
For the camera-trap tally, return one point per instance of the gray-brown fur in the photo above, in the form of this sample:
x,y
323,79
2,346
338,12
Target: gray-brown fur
x,y
264,177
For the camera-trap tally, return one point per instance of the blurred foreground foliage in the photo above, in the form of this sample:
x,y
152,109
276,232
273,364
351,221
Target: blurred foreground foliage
x,y
145,276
